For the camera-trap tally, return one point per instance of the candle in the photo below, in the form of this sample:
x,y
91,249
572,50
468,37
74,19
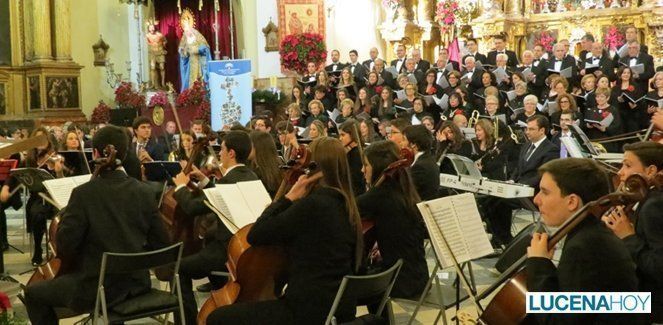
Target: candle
x,y
272,81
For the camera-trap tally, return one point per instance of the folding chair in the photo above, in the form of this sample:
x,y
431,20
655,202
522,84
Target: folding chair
x,y
155,302
359,287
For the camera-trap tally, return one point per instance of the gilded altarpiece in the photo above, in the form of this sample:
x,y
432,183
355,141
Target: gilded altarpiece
x,y
39,81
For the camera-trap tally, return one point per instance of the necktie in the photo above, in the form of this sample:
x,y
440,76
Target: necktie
x,y
529,152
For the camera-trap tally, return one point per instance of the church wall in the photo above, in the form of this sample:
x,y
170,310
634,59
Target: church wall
x,y
89,19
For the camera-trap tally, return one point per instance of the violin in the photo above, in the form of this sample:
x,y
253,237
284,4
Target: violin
x,y
57,265
299,164
508,305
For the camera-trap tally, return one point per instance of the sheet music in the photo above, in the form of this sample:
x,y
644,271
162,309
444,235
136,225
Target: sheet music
x,y
456,219
400,94
566,73
60,189
527,73
638,68
393,71
443,82
623,51
500,74
412,79
242,202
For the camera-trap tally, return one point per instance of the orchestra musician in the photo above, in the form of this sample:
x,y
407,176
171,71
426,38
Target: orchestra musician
x,y
643,233
588,249
97,214
264,161
348,133
146,147
288,139
318,223
235,150
398,226
424,169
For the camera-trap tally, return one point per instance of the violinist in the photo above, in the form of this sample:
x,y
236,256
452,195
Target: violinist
x,y
318,224
146,147
235,150
288,139
185,148
589,248
348,133
398,225
643,233
37,210
96,214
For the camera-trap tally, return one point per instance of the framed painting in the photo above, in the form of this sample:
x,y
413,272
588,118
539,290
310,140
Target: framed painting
x,y
301,16
61,92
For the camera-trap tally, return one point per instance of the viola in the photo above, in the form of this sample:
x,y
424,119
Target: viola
x,y
508,305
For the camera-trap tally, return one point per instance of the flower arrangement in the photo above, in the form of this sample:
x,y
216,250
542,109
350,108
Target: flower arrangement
x,y
392,4
196,97
101,113
546,40
127,97
298,50
159,99
613,38
446,11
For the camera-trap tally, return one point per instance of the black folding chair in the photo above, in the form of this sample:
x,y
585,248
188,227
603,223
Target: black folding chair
x,y
156,301
362,287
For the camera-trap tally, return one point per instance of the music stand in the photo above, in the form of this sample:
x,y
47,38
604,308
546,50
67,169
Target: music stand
x,y
583,140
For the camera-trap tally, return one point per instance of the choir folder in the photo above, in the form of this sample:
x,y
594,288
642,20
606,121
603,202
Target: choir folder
x,y
455,229
239,204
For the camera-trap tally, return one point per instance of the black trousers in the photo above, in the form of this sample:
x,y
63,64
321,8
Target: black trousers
x,y
498,212
197,266
272,312
42,297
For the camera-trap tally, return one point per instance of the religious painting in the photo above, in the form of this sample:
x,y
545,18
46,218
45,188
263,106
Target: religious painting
x,y
34,92
3,99
271,37
61,92
301,16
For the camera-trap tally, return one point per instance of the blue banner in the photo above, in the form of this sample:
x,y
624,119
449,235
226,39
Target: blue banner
x,y
230,85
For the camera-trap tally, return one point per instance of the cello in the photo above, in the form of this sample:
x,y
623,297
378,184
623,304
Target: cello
x,y
508,305
256,273
56,265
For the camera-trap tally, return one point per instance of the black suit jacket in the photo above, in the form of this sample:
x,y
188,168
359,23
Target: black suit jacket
x,y
648,62
339,66
156,148
606,65
425,176
477,57
422,66
646,249
527,171
111,213
588,250
359,73
393,64
567,62
388,79
511,62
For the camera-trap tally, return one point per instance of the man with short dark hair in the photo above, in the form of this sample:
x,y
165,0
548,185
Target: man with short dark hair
x,y
500,47
320,93
566,185
424,169
472,46
335,67
111,213
235,150
146,147
356,69
537,151
586,42
399,62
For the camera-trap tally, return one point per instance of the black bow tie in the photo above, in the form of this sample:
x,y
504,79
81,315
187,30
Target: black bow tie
x,y
500,52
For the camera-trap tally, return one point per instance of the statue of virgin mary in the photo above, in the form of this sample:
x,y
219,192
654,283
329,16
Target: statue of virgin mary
x,y
194,55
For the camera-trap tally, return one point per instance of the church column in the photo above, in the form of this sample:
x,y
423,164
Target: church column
x,y
62,16
41,30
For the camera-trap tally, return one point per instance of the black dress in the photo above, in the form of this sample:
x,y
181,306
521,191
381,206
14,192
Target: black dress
x,y
400,234
356,176
320,243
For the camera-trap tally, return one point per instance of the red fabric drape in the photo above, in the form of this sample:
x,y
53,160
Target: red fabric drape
x,y
166,13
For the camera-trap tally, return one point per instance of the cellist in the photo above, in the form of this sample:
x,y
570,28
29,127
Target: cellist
x,y
318,223
643,233
99,219
235,150
589,249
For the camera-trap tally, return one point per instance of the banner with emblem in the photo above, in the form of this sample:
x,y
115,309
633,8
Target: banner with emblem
x,y
230,85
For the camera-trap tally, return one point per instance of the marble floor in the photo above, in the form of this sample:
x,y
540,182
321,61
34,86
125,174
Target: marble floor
x,y
18,270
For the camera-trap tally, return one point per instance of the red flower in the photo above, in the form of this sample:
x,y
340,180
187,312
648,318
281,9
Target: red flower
x,y
630,88
297,50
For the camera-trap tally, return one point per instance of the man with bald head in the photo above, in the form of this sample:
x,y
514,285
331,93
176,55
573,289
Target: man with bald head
x,y
471,75
386,76
534,83
410,69
419,63
560,61
370,63
634,57
598,57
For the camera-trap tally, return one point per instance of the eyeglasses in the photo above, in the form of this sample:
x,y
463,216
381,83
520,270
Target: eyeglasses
x,y
563,101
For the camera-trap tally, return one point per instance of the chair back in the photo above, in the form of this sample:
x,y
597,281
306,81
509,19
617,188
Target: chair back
x,y
358,287
117,263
